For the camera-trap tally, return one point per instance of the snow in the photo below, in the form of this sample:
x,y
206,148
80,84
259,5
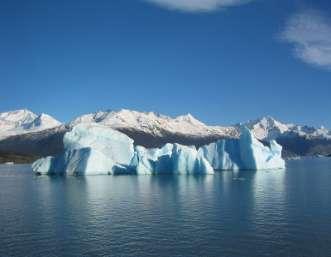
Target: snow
x,y
268,128
18,117
42,122
153,123
24,121
94,149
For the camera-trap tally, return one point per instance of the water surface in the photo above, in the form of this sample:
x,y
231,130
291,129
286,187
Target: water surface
x,y
266,213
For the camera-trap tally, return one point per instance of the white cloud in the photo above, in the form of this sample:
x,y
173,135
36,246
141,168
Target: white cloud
x,y
197,5
310,33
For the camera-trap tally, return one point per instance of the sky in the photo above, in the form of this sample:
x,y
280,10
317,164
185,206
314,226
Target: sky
x,y
223,61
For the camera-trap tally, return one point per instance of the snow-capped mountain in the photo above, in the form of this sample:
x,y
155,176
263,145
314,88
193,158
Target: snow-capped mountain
x,y
30,139
268,128
24,121
155,124
25,134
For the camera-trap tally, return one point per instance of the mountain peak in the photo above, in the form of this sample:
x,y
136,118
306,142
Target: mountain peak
x,y
189,118
23,121
152,123
267,127
18,116
267,118
44,121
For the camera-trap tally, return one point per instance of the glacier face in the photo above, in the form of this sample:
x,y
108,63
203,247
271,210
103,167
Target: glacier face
x,y
92,149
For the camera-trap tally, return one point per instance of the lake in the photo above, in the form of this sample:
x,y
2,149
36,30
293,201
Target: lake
x,y
265,213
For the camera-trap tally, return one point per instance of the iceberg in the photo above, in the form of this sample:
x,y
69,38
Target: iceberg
x,y
171,158
93,149
114,144
187,161
245,153
84,161
90,149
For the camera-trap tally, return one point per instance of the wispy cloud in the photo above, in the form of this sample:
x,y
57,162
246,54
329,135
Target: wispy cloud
x,y
310,33
197,5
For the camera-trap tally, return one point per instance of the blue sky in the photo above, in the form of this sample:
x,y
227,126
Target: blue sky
x,y
224,61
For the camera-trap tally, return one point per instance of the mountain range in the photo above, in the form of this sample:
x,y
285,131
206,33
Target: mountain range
x,y
26,136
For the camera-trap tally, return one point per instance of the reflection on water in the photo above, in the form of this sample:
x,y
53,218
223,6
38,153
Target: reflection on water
x,y
265,213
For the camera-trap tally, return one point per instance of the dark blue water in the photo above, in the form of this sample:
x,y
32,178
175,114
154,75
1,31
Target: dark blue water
x,y
275,213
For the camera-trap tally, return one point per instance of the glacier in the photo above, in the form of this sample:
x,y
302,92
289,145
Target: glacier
x,y
94,149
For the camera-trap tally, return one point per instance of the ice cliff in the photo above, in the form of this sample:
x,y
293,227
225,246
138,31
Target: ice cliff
x,y
92,149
